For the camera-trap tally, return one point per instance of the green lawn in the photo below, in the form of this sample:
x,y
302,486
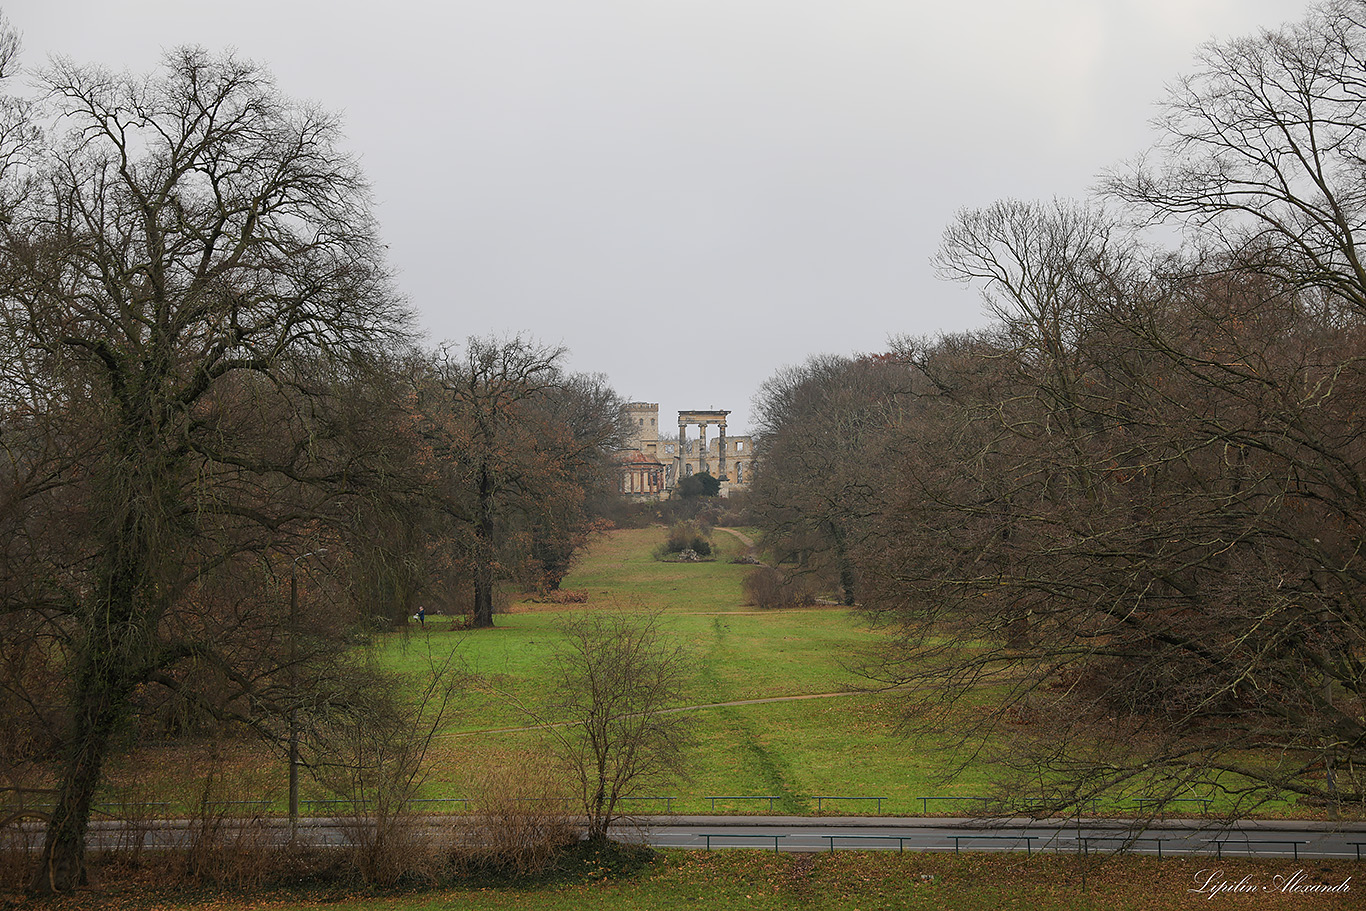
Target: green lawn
x,y
620,568
793,750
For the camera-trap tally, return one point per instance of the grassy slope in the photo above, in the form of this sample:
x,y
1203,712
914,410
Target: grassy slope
x,y
792,750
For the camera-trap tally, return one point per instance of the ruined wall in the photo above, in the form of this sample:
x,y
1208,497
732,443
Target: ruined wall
x,y
649,448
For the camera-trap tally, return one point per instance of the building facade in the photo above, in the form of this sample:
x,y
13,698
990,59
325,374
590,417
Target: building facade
x,y
730,459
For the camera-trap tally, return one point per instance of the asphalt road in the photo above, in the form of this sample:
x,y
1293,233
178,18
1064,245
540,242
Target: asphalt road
x,y
1288,838
1254,838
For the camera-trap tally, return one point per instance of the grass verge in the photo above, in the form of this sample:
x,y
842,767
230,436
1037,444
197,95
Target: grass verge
x,y
846,881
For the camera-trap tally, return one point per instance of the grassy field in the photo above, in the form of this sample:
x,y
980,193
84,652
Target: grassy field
x,y
792,749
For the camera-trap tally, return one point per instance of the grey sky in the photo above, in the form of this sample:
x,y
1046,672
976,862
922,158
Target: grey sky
x,y
690,194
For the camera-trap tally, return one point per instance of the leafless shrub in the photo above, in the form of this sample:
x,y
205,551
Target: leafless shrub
x,y
387,847
375,762
19,837
616,679
685,536
767,587
520,820
224,847
131,816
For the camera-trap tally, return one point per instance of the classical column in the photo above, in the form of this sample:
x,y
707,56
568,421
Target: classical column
x,y
722,447
702,447
682,452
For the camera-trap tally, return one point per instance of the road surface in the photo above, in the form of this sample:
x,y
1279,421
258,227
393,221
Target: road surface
x,y
1258,838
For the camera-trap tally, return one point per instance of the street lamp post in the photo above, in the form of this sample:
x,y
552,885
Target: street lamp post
x,y
293,701
294,694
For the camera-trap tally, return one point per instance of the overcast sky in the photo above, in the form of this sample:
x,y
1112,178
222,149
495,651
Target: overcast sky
x,y
691,194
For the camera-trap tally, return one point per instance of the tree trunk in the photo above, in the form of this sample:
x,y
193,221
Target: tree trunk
x,y
103,682
483,596
846,566
483,570
61,866
597,813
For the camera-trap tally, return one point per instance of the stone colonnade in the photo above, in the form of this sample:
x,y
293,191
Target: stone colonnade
x,y
703,419
643,479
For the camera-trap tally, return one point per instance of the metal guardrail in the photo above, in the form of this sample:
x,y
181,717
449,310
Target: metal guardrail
x,y
821,797
351,806
1126,839
768,797
1092,803
900,840
1027,839
1219,844
230,806
710,835
123,810
133,810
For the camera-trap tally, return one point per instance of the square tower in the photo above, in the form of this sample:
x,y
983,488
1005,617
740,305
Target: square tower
x,y
643,431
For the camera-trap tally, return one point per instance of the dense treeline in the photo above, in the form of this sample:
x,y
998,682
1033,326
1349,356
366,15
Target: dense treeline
x,y
1130,513
222,455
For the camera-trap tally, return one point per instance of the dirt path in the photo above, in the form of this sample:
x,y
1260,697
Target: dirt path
x,y
744,538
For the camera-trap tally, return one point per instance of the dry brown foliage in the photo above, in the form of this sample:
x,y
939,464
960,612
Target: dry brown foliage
x,y
520,820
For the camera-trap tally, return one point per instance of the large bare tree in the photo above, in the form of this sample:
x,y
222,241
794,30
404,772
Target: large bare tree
x,y
1261,151
1130,515
1139,538
523,447
187,263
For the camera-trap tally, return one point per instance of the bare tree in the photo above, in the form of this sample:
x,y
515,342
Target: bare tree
x,y
181,268
1129,513
480,429
1261,152
521,447
1143,543
615,681
823,426
584,426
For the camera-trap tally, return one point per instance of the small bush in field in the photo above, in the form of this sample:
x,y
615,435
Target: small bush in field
x,y
685,536
767,587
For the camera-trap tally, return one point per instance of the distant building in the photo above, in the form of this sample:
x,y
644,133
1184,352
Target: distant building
x,y
651,467
643,476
